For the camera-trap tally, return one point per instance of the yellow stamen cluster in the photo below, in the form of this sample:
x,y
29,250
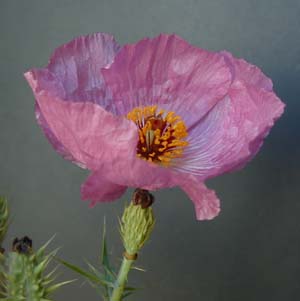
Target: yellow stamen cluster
x,y
161,134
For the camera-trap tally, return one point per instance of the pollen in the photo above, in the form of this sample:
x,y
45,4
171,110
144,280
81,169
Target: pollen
x,y
161,134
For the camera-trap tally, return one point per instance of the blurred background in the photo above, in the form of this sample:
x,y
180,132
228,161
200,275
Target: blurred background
x,y
251,250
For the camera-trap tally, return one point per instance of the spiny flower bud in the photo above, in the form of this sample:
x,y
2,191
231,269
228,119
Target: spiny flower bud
x,y
4,217
137,222
24,275
4,221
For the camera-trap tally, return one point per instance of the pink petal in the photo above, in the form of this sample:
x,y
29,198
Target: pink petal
x,y
167,69
91,135
51,137
98,189
248,73
232,132
136,172
77,66
207,204
73,74
43,79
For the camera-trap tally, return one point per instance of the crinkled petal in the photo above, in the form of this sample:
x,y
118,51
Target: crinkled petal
x,y
232,132
166,69
246,72
207,204
77,66
136,172
56,144
91,135
43,79
73,74
98,189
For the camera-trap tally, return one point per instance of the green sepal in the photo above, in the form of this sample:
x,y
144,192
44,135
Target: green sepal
x,y
136,226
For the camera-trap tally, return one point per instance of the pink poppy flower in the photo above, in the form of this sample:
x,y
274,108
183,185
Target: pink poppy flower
x,y
154,114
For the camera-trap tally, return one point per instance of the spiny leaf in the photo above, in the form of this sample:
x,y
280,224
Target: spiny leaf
x,y
138,269
51,273
104,254
109,274
94,278
89,276
126,295
41,250
129,290
94,270
55,287
104,259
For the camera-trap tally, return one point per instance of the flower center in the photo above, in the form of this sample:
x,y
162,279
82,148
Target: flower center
x,y
161,134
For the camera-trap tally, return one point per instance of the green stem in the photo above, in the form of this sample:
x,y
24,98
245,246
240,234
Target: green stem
x,y
121,280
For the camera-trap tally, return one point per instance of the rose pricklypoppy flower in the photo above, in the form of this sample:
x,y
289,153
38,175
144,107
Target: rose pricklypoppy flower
x,y
154,114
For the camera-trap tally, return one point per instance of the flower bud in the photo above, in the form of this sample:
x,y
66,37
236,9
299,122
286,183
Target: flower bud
x,y
24,275
4,218
137,223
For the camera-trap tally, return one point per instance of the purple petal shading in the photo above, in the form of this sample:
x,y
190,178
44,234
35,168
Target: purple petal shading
x,y
74,71
207,204
91,135
77,65
246,72
43,79
98,189
167,69
232,132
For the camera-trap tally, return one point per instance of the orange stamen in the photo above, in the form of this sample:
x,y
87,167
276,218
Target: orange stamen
x,y
161,135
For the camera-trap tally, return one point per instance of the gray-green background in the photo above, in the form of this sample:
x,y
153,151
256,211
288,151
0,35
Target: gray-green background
x,y
251,251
